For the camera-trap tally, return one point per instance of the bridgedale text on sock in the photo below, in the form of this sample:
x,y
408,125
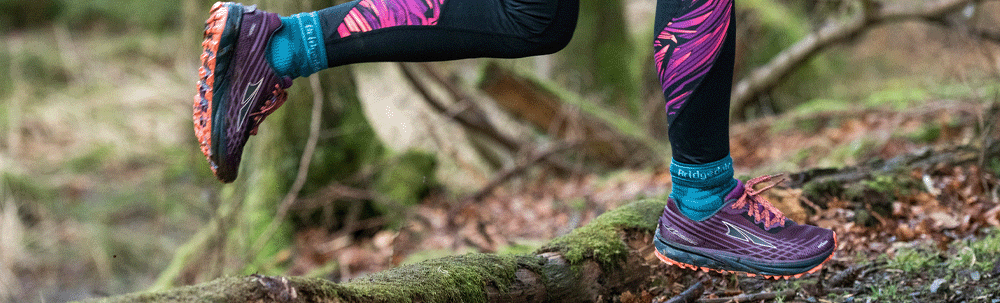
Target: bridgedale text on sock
x,y
703,174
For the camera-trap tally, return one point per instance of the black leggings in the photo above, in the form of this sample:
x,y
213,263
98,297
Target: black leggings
x,y
689,40
456,29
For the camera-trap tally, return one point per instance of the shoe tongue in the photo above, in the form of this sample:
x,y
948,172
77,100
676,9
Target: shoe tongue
x,y
736,192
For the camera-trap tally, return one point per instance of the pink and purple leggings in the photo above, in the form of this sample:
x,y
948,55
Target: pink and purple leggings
x,y
694,49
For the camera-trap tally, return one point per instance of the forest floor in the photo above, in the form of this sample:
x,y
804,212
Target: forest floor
x,y
940,242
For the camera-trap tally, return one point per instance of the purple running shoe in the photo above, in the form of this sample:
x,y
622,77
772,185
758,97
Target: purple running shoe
x,y
747,235
237,86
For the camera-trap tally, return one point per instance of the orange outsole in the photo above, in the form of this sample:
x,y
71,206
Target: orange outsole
x,y
214,27
667,260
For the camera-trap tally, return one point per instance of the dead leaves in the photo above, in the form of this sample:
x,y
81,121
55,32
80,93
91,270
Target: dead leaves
x,y
519,217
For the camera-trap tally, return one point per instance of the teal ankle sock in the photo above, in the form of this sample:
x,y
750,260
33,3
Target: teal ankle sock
x,y
298,49
700,189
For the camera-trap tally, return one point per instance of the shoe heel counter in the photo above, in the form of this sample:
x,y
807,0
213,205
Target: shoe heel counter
x,y
667,232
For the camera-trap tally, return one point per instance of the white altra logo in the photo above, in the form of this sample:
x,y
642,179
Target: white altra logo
x,y
741,234
248,97
679,235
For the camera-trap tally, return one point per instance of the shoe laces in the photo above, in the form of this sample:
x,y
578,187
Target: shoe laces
x,y
278,98
757,206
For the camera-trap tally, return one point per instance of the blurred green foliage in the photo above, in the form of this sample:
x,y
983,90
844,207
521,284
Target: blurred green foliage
x,y
407,178
27,13
118,15
767,27
121,14
604,58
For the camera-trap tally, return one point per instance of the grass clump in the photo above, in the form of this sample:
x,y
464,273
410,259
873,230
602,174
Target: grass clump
x,y
912,260
964,268
976,255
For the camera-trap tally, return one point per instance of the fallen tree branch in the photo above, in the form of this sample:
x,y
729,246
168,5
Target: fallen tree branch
x,y
928,159
609,138
589,263
469,115
766,77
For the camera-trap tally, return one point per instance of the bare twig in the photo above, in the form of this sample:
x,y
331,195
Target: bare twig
x,y
469,117
690,295
304,162
468,114
516,170
843,280
467,103
751,297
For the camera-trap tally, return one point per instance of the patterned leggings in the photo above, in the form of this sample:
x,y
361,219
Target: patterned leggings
x,y
694,49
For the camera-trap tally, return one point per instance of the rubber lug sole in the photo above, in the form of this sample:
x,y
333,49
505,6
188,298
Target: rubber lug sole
x,y
205,107
667,260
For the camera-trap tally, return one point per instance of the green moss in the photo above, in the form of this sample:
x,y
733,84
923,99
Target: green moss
x,y
520,248
431,254
876,195
988,245
822,190
228,289
891,185
601,240
450,279
912,260
976,255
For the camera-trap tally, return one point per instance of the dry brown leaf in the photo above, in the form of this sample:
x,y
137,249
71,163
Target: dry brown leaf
x,y
993,216
944,220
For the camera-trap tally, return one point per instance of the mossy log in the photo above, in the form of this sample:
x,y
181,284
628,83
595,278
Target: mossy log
x,y
606,257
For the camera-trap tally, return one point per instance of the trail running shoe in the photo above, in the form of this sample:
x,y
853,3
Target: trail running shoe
x,y
747,235
237,86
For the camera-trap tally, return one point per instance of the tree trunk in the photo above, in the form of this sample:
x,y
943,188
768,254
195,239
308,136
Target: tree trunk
x,y
602,57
